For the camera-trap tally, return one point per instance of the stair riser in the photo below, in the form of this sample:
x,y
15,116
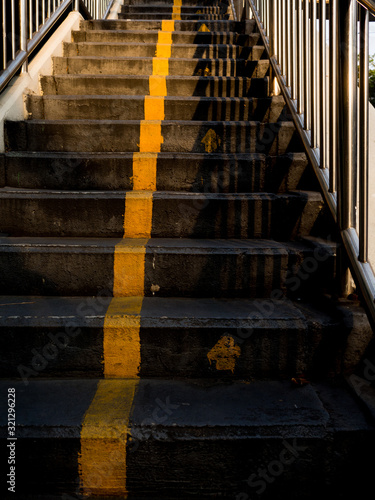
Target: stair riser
x,y
111,108
178,37
85,270
173,216
165,351
149,50
303,462
144,66
167,16
122,24
198,86
198,174
200,9
245,137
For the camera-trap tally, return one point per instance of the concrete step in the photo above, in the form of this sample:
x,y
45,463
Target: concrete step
x,y
207,173
193,9
178,37
154,15
185,51
178,136
92,65
270,338
174,215
211,86
224,438
173,267
52,107
199,25
170,3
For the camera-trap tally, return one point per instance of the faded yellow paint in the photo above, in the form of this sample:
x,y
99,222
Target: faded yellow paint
x,y
160,66
211,141
122,347
176,13
129,268
102,458
224,353
144,171
165,37
154,108
138,214
157,85
150,137
167,25
203,27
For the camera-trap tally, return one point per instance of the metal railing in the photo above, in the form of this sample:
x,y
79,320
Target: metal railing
x,y
26,22
319,54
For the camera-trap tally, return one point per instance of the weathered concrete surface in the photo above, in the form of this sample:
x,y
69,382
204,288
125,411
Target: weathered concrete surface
x,y
207,173
313,434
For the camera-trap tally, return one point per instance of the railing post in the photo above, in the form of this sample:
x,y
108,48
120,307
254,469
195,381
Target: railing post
x,y
346,174
348,113
23,32
273,35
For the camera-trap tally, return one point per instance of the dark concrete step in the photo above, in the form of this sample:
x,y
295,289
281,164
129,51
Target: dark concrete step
x,y
224,438
185,3
154,15
179,37
207,173
185,51
174,215
211,25
175,108
178,136
213,86
194,9
92,65
271,338
173,267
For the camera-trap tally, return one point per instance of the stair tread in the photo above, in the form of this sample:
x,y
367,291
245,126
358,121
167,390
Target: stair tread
x,y
7,192
47,311
260,409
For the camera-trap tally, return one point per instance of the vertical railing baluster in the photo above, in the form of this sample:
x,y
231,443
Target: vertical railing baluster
x,y
299,58
363,134
4,35
348,113
288,37
333,95
306,67
23,31
313,75
294,52
323,84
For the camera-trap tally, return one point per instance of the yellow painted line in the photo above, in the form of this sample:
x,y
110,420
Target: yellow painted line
x,y
122,352
138,214
144,171
157,85
102,460
129,265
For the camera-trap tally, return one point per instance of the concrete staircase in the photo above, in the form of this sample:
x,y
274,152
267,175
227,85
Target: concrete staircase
x,y
167,266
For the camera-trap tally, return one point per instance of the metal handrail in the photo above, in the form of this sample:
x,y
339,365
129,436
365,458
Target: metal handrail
x,y
329,108
25,23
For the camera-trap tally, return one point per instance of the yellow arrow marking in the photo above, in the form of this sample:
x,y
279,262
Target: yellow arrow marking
x,y
224,353
203,28
211,141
